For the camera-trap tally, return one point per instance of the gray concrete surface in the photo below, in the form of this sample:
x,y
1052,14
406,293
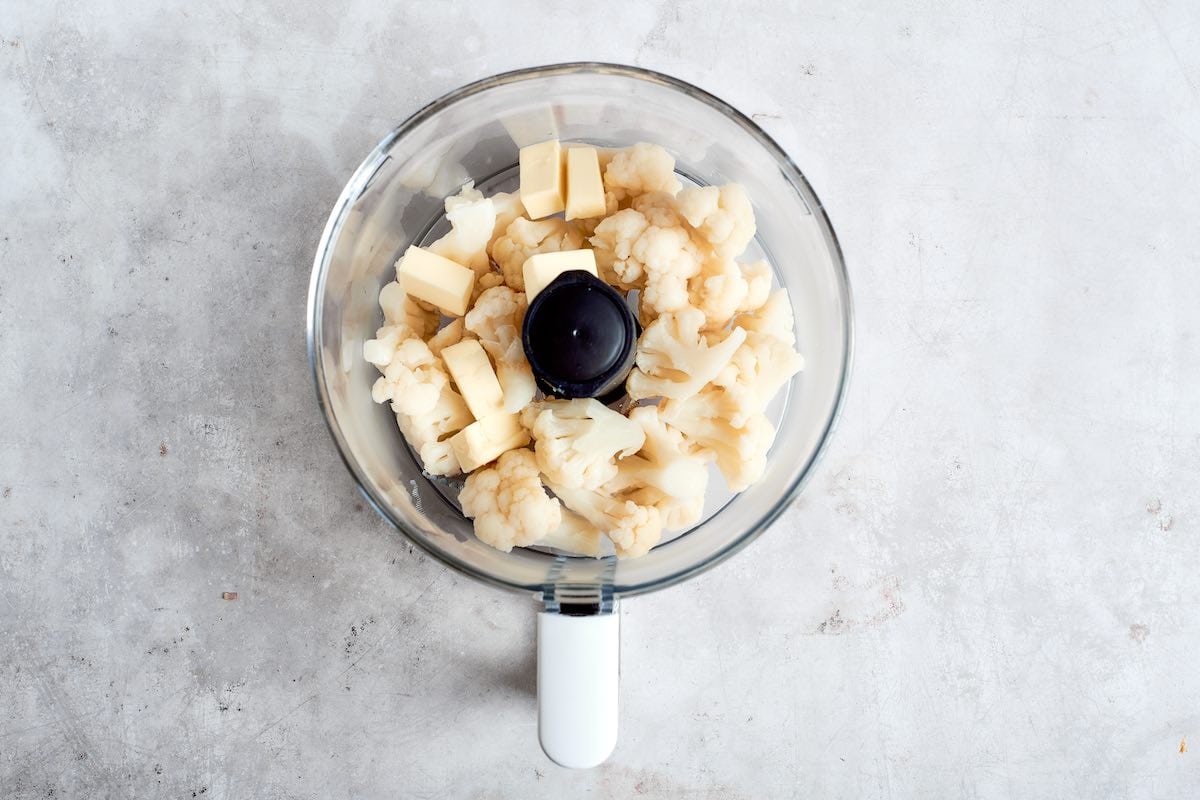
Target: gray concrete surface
x,y
990,589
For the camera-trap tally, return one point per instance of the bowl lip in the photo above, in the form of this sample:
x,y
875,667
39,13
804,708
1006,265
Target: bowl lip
x,y
370,165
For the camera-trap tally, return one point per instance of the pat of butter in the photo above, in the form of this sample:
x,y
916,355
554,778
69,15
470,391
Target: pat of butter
x,y
434,279
542,179
542,268
487,439
476,380
585,189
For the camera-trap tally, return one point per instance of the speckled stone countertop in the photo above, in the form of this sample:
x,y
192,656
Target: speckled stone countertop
x,y
988,590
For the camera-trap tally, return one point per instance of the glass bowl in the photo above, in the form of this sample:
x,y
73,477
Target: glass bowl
x,y
395,199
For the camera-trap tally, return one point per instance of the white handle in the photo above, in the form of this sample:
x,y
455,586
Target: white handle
x,y
577,676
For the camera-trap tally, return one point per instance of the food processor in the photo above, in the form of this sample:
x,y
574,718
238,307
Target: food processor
x,y
395,199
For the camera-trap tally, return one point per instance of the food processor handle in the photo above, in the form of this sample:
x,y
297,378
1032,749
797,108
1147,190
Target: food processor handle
x,y
578,662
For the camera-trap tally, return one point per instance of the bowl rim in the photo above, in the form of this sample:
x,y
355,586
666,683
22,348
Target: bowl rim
x,y
374,160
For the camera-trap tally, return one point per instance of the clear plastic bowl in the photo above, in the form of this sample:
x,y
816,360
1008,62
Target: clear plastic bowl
x,y
395,199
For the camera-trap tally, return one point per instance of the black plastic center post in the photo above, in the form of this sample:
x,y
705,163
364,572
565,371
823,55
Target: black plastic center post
x,y
579,336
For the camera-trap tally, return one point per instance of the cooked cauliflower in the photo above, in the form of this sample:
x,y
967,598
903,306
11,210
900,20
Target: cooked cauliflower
x,y
772,318
485,281
508,207
525,238
380,350
472,218
740,451
427,408
412,378
640,169
721,216
666,472
574,535
579,441
659,208
724,287
635,254
763,363
428,432
508,503
757,275
633,528
496,319
452,334
400,308
675,361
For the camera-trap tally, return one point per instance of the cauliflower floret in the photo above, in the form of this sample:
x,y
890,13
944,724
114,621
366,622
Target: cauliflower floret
x,y
485,281
427,408
724,287
740,451
429,432
634,254
763,363
524,238
453,333
587,226
574,535
508,503
758,370
772,318
380,350
508,207
757,275
496,319
579,441
633,528
659,209
399,308
613,239
721,216
666,473
675,361
640,169
472,218
412,378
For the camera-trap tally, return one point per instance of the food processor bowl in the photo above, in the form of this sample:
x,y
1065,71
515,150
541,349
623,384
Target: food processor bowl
x,y
395,199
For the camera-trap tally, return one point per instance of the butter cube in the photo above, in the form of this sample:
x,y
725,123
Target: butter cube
x,y
476,380
542,179
487,439
542,268
434,279
585,189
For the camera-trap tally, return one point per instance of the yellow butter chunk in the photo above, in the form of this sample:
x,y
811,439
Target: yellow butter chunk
x,y
542,179
434,279
476,380
542,268
487,439
585,189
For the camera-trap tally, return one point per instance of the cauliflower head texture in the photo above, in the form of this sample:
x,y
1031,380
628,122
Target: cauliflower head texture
x,y
579,441
639,169
723,288
721,216
667,472
740,451
633,528
525,238
429,432
675,360
509,504
496,320
633,253
472,218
